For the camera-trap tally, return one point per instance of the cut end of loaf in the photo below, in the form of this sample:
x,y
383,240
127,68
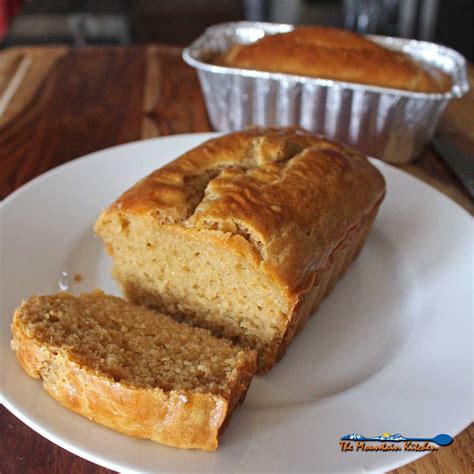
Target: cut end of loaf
x,y
131,369
214,284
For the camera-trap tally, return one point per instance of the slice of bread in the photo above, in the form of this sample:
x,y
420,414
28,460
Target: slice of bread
x,y
131,369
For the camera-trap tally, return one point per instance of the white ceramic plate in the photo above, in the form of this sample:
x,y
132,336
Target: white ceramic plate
x,y
389,351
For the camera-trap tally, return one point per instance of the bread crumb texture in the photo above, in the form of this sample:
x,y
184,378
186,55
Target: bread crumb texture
x,y
96,352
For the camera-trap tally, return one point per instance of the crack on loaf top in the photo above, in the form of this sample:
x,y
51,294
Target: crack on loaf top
x,y
258,159
230,177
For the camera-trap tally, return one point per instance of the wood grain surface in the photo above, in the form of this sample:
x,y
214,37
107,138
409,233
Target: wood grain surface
x,y
57,104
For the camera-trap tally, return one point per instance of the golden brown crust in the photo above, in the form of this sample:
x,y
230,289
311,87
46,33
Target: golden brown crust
x,y
178,418
330,53
287,196
322,282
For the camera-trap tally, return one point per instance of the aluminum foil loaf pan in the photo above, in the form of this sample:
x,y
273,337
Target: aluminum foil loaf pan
x,y
390,124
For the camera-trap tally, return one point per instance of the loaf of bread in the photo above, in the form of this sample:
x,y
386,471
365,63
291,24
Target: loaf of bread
x,y
245,234
133,370
329,53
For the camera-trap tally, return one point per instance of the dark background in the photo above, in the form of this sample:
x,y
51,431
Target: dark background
x,y
178,22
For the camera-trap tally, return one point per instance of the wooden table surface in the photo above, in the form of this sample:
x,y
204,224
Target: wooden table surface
x,y
57,104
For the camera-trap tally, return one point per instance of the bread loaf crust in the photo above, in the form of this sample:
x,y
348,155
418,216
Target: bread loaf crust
x,y
288,196
331,53
178,418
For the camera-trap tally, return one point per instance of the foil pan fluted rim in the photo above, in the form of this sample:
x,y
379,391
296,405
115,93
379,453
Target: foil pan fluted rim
x,y
460,85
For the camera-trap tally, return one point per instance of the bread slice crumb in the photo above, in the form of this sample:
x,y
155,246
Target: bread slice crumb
x,y
131,369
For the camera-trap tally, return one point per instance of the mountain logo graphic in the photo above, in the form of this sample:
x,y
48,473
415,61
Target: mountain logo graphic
x,y
440,440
